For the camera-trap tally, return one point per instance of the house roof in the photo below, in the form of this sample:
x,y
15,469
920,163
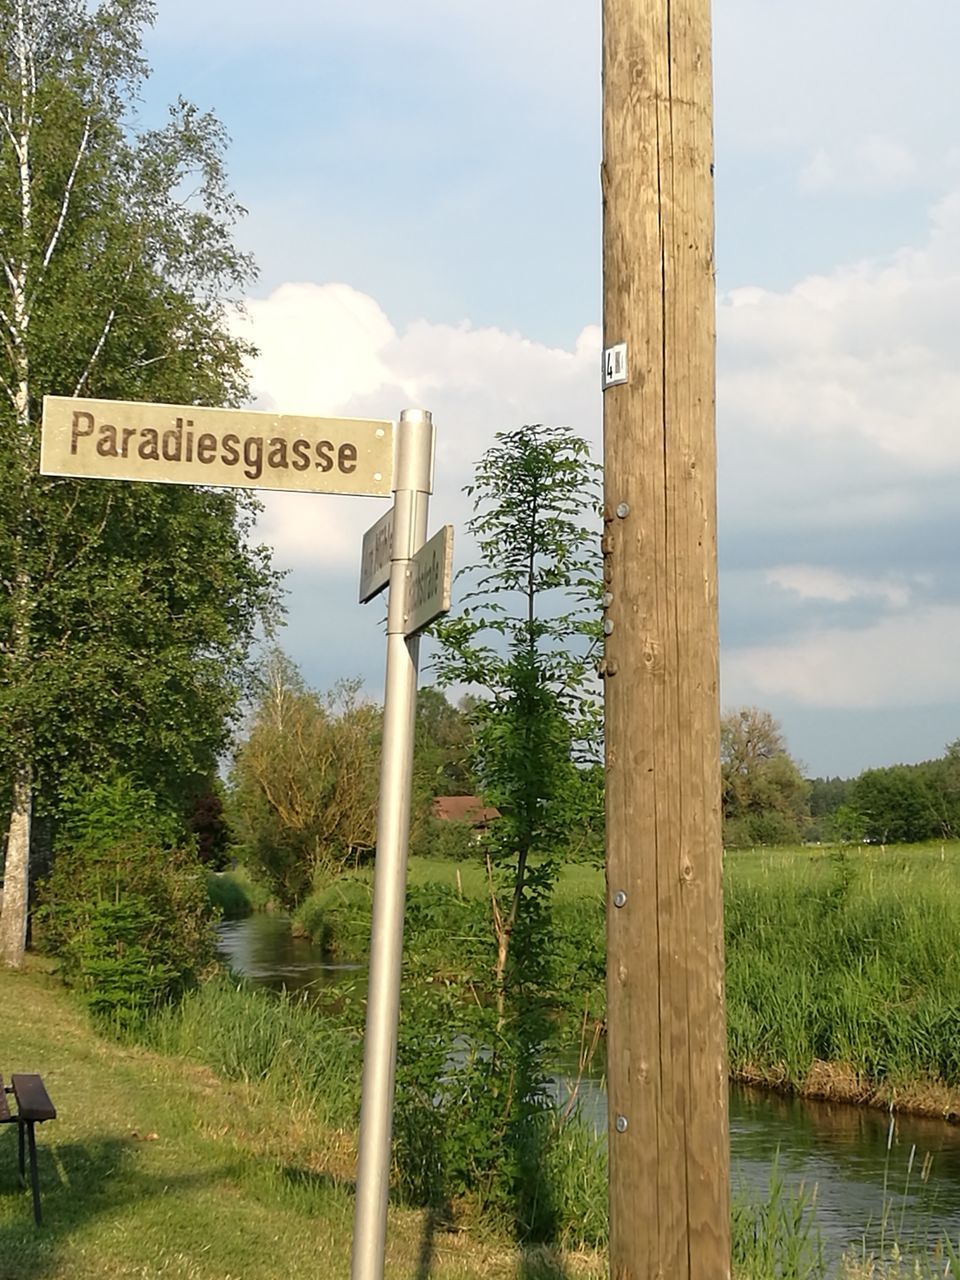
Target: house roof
x,y
464,809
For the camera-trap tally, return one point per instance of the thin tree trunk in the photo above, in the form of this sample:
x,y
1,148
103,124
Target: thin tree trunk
x,y
16,884
16,880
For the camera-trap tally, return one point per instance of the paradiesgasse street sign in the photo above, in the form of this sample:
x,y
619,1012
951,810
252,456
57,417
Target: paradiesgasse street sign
x,y
235,448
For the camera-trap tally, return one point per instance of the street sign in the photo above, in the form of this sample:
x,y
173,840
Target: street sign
x,y
237,448
375,557
431,581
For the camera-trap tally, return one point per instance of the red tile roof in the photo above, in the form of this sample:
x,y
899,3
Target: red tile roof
x,y
464,809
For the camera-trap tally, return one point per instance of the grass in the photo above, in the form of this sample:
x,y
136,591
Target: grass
x,y
840,972
839,961
158,1167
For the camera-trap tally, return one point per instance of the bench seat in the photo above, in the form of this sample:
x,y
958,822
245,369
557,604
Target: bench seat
x,y
33,1107
33,1101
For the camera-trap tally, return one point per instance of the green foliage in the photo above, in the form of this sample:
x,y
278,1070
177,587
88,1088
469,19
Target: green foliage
x,y
277,1041
304,783
441,760
126,610
125,909
765,797
446,838
338,917
476,1116
909,803
234,894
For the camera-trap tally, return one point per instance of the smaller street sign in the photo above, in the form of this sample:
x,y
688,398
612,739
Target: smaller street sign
x,y
375,557
430,585
235,448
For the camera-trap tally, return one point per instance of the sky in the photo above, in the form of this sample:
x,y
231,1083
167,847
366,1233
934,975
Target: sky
x,y
422,187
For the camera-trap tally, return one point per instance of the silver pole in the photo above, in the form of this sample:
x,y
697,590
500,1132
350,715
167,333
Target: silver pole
x,y
414,481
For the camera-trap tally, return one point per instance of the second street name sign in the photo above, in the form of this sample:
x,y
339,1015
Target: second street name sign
x,y
235,448
375,557
430,584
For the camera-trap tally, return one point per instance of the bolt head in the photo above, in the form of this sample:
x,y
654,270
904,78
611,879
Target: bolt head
x,y
623,510
619,898
621,1123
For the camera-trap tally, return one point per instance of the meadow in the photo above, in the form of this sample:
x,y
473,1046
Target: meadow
x,y
841,962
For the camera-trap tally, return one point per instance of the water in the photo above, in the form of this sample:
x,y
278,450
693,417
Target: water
x,y
262,948
873,1182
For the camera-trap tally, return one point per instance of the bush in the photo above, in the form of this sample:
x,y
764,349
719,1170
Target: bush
x,y
234,894
125,909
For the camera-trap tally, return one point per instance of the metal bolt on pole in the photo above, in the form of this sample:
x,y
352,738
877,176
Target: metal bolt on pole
x,y
413,484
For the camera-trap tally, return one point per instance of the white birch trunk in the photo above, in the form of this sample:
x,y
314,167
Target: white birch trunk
x,y
16,884
16,880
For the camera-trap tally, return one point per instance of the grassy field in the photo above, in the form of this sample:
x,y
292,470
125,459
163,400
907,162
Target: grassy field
x,y
841,962
158,1167
841,972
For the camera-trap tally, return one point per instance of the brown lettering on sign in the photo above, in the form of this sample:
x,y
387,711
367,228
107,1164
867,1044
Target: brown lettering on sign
x,y
107,443
148,448
324,455
347,458
84,421
206,448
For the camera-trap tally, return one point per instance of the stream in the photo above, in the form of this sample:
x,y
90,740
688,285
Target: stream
x,y
875,1178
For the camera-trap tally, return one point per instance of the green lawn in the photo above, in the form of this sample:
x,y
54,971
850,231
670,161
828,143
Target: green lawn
x,y
157,1168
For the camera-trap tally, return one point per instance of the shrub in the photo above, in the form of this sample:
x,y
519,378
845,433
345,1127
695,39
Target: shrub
x,y
125,909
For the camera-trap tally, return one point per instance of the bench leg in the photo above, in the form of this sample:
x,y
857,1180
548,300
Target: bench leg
x,y
20,1152
34,1176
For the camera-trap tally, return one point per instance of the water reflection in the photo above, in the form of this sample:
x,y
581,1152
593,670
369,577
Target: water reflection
x,y
263,948
873,1182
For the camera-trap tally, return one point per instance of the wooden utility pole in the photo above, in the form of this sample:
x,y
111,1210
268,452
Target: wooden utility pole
x,y
667,1071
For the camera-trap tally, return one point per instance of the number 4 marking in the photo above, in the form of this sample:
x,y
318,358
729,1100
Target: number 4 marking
x,y
614,365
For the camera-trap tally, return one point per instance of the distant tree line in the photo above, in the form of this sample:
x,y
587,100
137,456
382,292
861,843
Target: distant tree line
x,y
899,804
767,799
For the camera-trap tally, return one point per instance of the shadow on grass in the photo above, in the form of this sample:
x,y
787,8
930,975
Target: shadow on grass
x,y
543,1263
79,1182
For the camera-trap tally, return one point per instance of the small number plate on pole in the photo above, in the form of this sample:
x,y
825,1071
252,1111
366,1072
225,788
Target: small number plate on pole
x,y
614,365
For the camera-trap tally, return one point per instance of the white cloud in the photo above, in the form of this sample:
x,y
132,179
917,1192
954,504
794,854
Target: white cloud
x,y
330,350
905,660
319,345
863,353
874,163
812,582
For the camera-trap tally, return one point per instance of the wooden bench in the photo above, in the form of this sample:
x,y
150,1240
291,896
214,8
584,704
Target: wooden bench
x,y
33,1107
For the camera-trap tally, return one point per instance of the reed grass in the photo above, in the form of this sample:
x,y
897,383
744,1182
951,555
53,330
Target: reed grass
x,y
845,958
284,1043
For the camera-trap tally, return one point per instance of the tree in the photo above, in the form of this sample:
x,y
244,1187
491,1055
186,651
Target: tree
x,y
525,639
903,804
126,611
765,797
305,780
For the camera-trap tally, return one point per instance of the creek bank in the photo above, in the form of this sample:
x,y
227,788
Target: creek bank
x,y
840,1082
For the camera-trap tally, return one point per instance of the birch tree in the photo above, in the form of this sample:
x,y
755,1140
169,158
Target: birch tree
x,y
123,613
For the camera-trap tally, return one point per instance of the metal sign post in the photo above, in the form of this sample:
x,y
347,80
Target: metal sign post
x,y
413,483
